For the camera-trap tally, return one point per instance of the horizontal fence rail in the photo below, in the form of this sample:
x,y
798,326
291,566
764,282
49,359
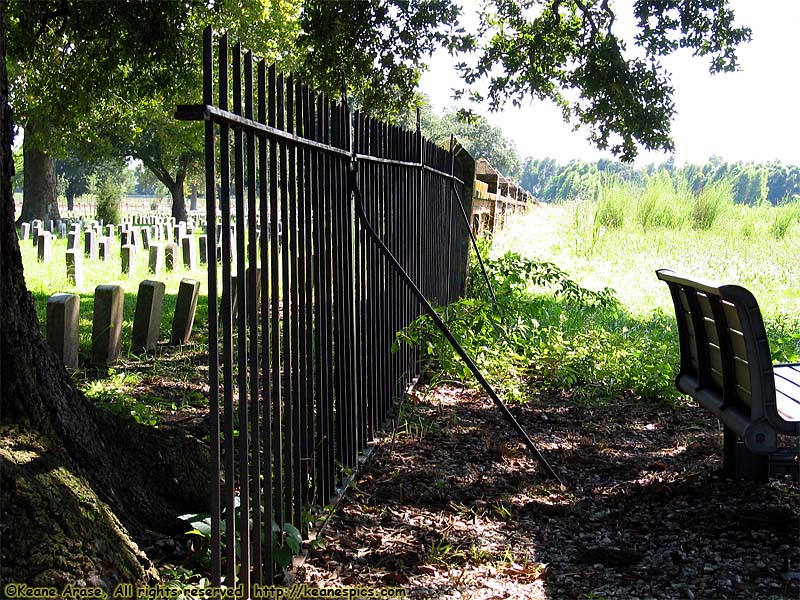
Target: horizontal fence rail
x,y
303,309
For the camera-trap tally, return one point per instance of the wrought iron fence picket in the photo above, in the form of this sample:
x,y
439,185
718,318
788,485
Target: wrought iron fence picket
x,y
302,371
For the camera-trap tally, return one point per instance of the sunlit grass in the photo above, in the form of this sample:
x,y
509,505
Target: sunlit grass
x,y
45,279
740,247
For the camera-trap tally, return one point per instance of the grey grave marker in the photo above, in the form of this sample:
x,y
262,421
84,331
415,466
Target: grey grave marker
x,y
63,311
74,261
189,251
106,324
90,244
170,256
104,248
128,257
203,241
185,308
156,258
147,320
45,246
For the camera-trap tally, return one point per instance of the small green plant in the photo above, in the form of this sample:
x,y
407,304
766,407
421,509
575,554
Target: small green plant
x,y
782,222
546,329
286,541
614,204
659,204
477,555
181,581
444,553
112,393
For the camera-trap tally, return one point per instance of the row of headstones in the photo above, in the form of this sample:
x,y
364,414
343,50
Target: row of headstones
x,y
162,257
63,321
150,227
55,225
128,233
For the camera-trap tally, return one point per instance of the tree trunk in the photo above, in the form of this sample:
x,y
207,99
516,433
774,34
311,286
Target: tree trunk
x,y
193,197
178,199
77,484
40,190
70,199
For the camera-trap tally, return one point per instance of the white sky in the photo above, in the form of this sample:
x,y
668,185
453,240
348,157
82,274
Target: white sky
x,y
750,115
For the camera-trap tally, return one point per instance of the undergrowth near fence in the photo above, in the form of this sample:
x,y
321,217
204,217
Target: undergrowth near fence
x,y
548,332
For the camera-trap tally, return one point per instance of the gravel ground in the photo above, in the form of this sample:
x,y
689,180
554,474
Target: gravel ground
x,y
450,506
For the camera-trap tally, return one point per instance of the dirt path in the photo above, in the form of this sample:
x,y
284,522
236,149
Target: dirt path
x,y
451,507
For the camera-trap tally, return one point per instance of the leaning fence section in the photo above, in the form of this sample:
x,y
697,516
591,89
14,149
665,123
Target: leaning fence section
x,y
303,310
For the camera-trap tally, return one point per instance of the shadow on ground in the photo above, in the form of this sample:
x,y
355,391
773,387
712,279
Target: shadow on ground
x,y
450,506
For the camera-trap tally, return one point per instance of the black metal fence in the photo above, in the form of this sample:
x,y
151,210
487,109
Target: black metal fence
x,y
302,369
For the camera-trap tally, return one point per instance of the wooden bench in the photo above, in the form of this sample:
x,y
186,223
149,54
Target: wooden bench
x,y
727,367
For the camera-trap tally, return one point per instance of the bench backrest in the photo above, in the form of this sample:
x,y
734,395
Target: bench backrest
x,y
724,347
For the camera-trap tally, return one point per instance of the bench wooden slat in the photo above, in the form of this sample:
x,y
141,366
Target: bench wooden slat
x,y
787,391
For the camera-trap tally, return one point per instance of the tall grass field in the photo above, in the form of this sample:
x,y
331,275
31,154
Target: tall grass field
x,y
619,240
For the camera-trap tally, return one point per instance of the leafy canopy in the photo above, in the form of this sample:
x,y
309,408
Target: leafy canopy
x,y
77,63
570,52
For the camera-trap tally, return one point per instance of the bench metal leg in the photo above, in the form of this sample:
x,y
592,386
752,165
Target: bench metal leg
x,y
739,463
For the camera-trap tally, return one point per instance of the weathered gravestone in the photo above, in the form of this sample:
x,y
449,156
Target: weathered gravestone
x,y
189,251
203,242
185,308
45,246
63,311
107,324
235,289
128,256
74,261
104,248
156,258
25,232
90,243
170,256
147,237
147,320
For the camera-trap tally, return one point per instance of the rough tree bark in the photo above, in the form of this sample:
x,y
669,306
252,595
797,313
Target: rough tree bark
x,y
176,190
40,191
77,485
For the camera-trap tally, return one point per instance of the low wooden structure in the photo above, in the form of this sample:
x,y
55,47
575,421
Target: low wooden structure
x,y
495,197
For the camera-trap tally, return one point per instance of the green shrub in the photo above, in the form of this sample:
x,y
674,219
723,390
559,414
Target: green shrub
x,y
785,215
109,197
614,204
548,331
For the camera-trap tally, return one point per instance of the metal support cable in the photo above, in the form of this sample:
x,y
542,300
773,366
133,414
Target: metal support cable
x,y
387,254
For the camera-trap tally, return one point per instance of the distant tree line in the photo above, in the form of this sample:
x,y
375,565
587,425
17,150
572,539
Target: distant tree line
x,y
752,183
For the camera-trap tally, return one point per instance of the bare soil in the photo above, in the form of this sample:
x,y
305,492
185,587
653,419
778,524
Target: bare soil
x,y
450,506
